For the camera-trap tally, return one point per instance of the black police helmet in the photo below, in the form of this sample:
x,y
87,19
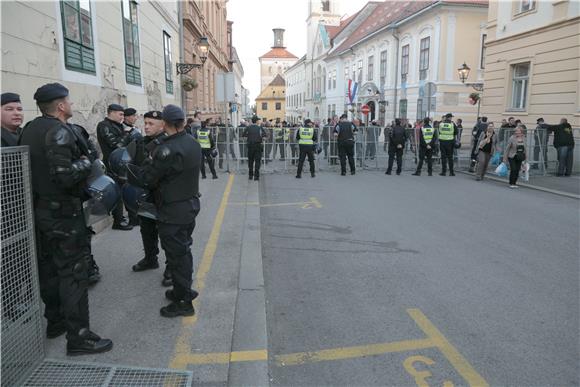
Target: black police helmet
x,y
118,160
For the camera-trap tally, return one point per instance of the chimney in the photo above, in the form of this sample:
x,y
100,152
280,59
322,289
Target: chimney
x,y
278,38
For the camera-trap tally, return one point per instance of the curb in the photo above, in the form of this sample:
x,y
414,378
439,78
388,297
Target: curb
x,y
530,186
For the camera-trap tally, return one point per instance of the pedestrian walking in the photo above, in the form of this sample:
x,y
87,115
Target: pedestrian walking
x,y
11,119
397,139
111,136
447,136
207,142
254,135
564,144
172,173
427,140
479,128
60,167
515,154
306,137
486,147
344,133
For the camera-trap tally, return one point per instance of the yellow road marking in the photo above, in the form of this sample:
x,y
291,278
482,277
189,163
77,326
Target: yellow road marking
x,y
449,351
352,352
182,346
224,357
305,205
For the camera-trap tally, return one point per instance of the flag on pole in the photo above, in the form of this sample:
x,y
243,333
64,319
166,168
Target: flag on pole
x,y
352,90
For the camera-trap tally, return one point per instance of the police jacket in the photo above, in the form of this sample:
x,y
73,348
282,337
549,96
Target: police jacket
x,y
422,138
455,131
254,134
345,130
397,136
563,135
59,162
10,138
314,136
145,146
111,135
172,174
87,145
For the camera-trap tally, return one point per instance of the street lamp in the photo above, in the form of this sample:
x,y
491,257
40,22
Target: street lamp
x,y
478,86
203,47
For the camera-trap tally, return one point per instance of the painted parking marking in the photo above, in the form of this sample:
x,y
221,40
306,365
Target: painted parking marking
x,y
421,376
311,203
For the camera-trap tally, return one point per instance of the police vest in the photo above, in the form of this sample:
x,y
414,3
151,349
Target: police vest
x,y
203,139
306,135
286,134
428,134
278,134
446,131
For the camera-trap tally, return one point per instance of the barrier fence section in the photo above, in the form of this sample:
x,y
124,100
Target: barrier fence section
x,y
21,333
281,150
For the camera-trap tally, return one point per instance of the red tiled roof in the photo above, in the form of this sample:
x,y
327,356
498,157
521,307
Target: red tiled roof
x,y
278,81
391,11
335,30
279,52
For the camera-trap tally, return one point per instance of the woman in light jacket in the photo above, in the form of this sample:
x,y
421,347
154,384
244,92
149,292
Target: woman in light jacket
x,y
486,146
515,152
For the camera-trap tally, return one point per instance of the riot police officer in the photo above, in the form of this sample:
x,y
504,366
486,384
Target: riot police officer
x,y
172,173
11,119
59,175
207,142
447,135
427,140
397,139
306,137
344,132
111,135
255,135
154,136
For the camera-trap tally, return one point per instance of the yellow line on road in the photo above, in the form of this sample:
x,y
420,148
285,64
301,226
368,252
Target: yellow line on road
x,y
449,351
225,357
352,352
182,346
313,202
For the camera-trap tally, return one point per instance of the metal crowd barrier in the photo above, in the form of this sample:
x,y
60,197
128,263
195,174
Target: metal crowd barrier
x,y
21,334
372,150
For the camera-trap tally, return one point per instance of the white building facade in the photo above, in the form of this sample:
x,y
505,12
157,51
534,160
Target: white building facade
x,y
295,78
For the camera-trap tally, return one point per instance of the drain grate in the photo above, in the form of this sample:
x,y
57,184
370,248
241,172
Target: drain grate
x,y
72,374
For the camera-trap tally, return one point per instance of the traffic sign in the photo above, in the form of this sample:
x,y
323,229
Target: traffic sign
x,y
365,109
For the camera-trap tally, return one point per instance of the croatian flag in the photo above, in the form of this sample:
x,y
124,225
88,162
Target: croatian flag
x,y
352,89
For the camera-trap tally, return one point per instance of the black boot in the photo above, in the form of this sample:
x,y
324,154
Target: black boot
x,y
176,309
171,296
87,343
122,226
417,173
93,273
146,263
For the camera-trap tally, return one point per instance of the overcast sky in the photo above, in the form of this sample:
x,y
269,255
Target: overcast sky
x,y
253,36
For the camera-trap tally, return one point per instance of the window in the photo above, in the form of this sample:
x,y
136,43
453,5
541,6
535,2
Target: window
x,y
346,72
383,68
131,36
360,68
334,79
424,58
405,63
421,109
526,5
403,108
168,68
329,111
353,72
520,74
333,110
278,106
79,52
482,63
330,80
326,6
264,105
370,68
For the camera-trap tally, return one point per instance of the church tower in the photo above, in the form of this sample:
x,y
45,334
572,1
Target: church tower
x,y
325,12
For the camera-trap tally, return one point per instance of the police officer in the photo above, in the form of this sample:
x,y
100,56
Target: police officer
x,y
427,139
306,137
59,176
207,142
447,135
172,174
111,135
221,144
344,133
129,121
11,119
281,138
397,140
154,136
255,135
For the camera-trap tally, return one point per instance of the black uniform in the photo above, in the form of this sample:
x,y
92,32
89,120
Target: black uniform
x,y
425,152
111,135
345,139
221,144
254,135
9,138
172,174
397,136
59,172
306,150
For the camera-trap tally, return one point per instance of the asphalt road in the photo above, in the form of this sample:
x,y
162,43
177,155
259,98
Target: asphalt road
x,y
494,270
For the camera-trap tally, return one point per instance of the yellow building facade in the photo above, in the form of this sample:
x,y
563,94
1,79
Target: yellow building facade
x,y
271,103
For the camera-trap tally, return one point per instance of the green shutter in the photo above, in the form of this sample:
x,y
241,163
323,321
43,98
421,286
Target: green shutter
x,y
77,57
